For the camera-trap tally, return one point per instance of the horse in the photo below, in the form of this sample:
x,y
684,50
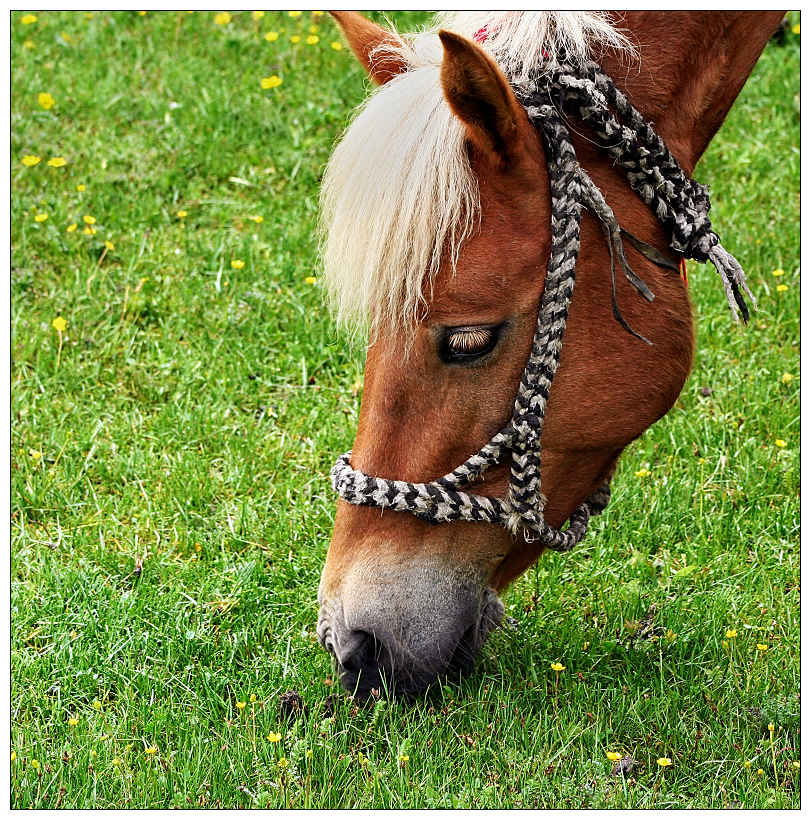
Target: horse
x,y
436,218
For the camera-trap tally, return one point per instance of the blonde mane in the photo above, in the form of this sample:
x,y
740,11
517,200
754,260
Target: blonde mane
x,y
398,191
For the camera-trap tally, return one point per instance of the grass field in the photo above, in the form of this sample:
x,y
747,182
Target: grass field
x,y
171,505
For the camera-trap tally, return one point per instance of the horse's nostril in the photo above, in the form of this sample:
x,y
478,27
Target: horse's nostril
x,y
358,652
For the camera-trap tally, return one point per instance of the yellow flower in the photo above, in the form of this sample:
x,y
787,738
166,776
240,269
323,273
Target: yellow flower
x,y
29,160
747,764
252,698
222,19
89,220
786,378
237,264
274,737
664,761
732,633
109,245
29,44
34,764
151,750
642,473
81,187
73,632
403,758
613,756
670,636
257,219
294,13
65,36
74,721
295,39
317,13
40,217
198,548
556,666
310,280
778,272
781,288
182,214
309,754
117,761
27,19
780,443
88,231
272,36
13,756
335,45
763,647
45,100
257,15
283,763
35,454
57,162
313,29
760,771
271,82
142,14
93,753
97,704
771,727
241,704
312,40
796,29
796,763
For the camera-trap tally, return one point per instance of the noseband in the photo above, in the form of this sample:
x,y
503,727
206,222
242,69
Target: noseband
x,y
681,204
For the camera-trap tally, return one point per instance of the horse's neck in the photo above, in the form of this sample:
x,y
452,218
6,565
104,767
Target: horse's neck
x,y
692,65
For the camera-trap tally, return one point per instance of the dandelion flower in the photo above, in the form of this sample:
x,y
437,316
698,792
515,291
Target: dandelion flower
x,y
642,473
57,162
30,160
29,44
117,761
35,454
257,15
781,288
786,378
271,82
151,750
283,763
313,29
613,756
28,19
732,633
770,727
40,217
182,214
747,764
556,666
272,36
257,219
45,100
796,29
335,45
241,704
80,188
294,14
309,754
237,264
14,756
310,280
760,772
97,704
89,231
796,763
312,39
274,737
89,220
34,764
317,13
780,443
222,19
778,272
295,39
403,758
109,245
664,762
252,698
73,721
763,647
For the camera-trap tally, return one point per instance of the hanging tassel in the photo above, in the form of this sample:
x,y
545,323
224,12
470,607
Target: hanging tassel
x,y
734,280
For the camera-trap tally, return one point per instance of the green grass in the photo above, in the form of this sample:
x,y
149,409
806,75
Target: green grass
x,y
171,505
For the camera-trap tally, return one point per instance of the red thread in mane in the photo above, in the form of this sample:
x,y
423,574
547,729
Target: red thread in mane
x,y
683,270
481,37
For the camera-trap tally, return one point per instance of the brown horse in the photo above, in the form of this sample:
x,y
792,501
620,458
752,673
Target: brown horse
x,y
437,215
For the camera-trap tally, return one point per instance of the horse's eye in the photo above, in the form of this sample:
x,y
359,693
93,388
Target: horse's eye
x,y
462,344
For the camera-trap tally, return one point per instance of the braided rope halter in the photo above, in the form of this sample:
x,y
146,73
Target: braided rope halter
x,y
681,204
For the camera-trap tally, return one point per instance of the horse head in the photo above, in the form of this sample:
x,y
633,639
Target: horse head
x,y
437,212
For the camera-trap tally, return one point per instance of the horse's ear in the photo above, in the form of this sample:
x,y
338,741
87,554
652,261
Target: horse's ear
x,y
481,97
364,37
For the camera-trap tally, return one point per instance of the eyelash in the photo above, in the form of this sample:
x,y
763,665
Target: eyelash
x,y
467,344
